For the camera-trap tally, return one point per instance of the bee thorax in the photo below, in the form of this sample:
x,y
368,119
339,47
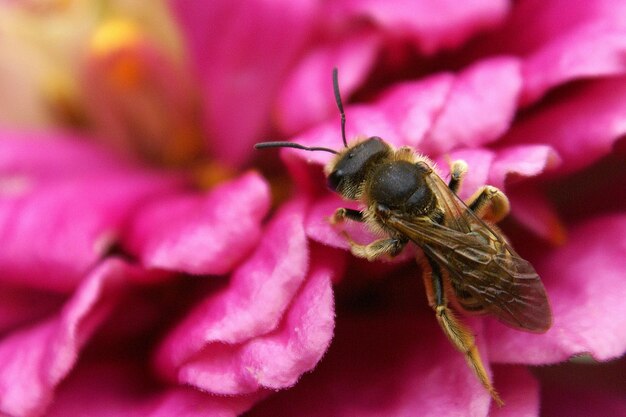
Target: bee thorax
x,y
399,185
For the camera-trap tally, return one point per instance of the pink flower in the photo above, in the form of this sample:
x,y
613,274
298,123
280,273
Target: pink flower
x,y
171,288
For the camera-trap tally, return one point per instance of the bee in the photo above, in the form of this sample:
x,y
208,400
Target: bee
x,y
466,260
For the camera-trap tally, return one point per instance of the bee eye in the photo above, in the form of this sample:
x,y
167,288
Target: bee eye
x,y
335,178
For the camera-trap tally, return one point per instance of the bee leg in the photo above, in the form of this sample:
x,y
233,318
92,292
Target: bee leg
x,y
345,213
458,169
456,332
389,246
489,203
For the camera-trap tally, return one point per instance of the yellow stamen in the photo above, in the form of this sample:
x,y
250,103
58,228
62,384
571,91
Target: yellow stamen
x,y
114,35
212,173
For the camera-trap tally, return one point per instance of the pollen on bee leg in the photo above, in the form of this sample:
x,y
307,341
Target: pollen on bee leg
x,y
489,203
338,216
458,169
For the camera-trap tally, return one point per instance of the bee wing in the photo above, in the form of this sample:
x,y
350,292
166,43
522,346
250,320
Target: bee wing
x,y
479,261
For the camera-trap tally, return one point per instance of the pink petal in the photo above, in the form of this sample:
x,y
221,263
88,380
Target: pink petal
x,y
559,401
235,49
533,209
520,391
582,127
391,365
55,155
479,163
434,115
120,388
319,228
521,161
580,388
318,225
253,305
57,219
275,360
552,20
479,107
590,51
34,360
584,281
306,96
564,41
412,108
433,25
19,305
197,233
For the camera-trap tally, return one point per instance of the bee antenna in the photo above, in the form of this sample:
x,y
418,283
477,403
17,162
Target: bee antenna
x,y
263,145
340,106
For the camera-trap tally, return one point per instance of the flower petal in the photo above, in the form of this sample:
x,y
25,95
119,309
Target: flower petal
x,y
19,305
35,359
520,392
584,281
275,360
59,215
306,96
433,25
581,388
534,210
479,162
479,106
229,45
253,304
565,41
117,388
201,234
434,115
384,366
521,161
582,127
591,51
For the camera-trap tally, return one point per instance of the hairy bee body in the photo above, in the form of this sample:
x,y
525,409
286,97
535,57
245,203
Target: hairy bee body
x,y
466,262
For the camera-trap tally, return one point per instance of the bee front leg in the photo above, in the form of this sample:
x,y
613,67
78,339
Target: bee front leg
x,y
456,332
343,213
489,203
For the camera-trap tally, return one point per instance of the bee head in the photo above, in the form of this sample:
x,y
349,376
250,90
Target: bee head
x,y
351,167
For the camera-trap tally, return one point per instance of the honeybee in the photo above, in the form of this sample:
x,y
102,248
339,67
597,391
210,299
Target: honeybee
x,y
467,262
